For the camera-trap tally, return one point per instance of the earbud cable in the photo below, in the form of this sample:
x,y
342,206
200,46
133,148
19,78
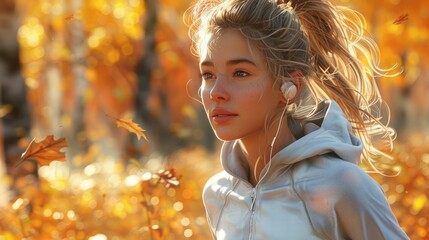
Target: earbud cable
x,y
272,144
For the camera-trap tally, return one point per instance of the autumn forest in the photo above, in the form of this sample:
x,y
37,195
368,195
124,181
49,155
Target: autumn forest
x,y
103,137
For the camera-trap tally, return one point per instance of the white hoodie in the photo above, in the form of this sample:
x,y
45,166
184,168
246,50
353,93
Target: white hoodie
x,y
313,190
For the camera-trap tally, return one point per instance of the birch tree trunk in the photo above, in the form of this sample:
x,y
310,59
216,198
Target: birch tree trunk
x,y
78,66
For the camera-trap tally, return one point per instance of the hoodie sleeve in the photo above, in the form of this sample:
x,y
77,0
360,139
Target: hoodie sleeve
x,y
362,210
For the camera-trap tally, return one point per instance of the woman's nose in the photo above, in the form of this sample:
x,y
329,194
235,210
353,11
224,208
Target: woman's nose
x,y
219,92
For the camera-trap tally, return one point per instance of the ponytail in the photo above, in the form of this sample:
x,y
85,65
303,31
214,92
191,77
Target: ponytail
x,y
344,65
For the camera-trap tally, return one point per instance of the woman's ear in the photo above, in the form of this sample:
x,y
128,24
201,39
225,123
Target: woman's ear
x,y
297,78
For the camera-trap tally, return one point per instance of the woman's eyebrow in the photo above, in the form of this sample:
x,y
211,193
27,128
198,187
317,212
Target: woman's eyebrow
x,y
207,63
240,60
230,62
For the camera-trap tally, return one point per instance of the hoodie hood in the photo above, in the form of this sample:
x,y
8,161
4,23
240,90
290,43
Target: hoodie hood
x,y
334,135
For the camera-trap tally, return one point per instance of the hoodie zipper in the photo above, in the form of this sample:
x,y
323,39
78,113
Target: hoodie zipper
x,y
252,212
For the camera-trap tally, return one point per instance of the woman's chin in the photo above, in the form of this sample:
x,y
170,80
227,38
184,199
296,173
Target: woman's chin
x,y
225,137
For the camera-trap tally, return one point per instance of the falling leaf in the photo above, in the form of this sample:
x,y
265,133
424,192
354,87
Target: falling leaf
x,y
45,151
70,17
402,18
131,127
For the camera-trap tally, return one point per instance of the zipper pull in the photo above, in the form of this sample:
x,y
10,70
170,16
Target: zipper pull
x,y
253,198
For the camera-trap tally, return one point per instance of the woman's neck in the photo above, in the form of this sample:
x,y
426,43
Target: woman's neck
x,y
259,150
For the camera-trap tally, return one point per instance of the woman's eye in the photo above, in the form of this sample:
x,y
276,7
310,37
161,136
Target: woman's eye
x,y
240,74
206,76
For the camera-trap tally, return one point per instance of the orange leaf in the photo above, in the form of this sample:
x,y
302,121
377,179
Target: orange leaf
x,y
132,127
46,151
402,18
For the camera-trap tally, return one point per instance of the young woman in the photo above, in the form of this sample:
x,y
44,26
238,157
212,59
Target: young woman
x,y
284,85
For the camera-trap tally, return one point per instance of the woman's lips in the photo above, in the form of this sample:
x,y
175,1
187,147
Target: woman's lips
x,y
221,116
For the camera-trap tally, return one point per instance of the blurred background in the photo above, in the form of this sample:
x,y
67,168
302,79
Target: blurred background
x,y
68,67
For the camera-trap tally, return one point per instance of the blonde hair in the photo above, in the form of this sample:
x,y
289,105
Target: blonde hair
x,y
327,43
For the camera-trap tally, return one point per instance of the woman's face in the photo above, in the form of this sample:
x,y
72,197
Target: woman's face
x,y
237,90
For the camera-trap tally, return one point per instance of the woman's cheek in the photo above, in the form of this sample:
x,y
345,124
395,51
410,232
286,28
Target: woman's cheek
x,y
205,97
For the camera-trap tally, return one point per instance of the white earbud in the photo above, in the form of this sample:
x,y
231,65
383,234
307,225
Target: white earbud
x,y
289,90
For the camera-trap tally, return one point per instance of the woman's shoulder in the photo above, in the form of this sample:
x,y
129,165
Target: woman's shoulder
x,y
340,196
218,182
215,191
336,176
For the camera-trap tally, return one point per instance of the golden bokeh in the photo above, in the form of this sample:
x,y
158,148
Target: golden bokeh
x,y
87,51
